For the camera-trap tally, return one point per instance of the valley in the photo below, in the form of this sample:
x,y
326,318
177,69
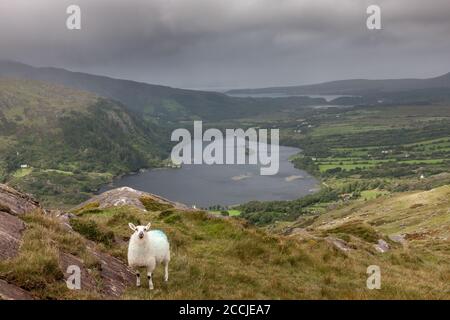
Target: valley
x,y
383,169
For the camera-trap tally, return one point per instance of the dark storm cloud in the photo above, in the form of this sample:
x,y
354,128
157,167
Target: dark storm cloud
x,y
230,43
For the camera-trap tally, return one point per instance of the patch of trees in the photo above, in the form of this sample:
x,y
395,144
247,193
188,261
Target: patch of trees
x,y
261,213
307,164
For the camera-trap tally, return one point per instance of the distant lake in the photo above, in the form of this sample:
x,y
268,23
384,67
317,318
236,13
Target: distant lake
x,y
206,185
327,97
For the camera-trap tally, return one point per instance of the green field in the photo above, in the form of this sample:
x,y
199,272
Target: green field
x,y
361,163
362,153
231,213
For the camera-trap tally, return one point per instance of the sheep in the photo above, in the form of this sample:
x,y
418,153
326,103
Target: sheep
x,y
148,249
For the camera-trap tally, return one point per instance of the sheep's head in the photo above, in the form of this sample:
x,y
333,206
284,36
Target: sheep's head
x,y
139,230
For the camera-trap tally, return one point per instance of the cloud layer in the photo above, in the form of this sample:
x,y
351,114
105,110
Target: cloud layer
x,y
232,43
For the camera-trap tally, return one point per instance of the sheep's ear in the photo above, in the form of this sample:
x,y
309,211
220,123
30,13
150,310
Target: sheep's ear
x,y
132,226
147,227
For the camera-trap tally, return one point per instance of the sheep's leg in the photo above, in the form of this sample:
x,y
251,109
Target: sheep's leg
x,y
166,270
150,281
138,279
166,267
150,269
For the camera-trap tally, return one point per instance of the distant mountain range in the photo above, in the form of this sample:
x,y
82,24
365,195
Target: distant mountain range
x,y
144,98
354,87
161,104
155,102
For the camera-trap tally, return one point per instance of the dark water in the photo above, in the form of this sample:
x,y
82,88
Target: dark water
x,y
206,185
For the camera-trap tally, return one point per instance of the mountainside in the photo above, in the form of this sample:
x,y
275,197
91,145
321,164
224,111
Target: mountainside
x,y
56,141
225,258
419,215
153,101
149,99
354,87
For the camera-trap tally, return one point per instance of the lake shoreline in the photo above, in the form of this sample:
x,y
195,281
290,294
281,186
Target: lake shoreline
x,y
291,184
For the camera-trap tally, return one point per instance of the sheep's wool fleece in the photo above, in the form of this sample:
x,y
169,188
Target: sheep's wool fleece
x,y
142,251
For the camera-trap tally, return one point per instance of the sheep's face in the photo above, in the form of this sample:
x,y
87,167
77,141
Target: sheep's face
x,y
139,230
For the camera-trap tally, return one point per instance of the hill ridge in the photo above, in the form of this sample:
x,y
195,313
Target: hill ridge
x,y
354,86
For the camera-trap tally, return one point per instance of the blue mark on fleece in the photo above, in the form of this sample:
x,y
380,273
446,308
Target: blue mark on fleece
x,y
159,233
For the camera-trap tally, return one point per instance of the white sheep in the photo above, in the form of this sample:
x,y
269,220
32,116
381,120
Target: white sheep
x,y
148,249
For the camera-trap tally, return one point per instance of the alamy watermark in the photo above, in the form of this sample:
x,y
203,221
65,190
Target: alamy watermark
x,y
374,279
373,21
73,282
236,147
73,21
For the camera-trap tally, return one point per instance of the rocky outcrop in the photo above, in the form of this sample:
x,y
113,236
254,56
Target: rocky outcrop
x,y
126,196
113,276
12,204
11,292
116,276
15,202
11,229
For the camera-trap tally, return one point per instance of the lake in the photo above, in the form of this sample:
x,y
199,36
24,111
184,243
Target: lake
x,y
327,97
207,185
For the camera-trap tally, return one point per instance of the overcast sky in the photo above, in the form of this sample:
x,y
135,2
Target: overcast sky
x,y
231,43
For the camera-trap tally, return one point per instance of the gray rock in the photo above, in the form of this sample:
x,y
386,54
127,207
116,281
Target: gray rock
x,y
126,196
399,238
9,291
115,275
11,229
15,202
338,243
382,246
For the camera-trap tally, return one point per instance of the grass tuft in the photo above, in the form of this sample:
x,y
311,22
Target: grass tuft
x,y
151,204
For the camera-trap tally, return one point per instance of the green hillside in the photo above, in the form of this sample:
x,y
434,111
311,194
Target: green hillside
x,y
223,258
61,144
226,258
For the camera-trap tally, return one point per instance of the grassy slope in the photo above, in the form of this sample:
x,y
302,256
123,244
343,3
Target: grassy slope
x,y
72,141
225,258
37,267
423,214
